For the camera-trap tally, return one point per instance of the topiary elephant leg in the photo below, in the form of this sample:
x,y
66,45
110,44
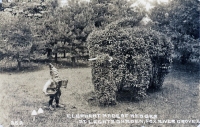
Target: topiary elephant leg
x,y
106,93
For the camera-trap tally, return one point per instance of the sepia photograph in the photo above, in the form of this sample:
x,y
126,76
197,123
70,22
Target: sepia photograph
x,y
99,63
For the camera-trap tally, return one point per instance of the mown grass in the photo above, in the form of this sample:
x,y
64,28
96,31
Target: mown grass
x,y
21,93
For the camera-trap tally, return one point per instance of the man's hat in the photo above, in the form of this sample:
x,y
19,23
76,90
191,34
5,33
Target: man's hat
x,y
54,73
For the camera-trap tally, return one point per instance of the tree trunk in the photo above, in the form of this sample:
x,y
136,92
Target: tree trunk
x,y
49,52
73,61
18,65
64,53
56,57
185,57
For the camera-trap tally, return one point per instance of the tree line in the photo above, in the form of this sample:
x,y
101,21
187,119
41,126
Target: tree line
x,y
65,29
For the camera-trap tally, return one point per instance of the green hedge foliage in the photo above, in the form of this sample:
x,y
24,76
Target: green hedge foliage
x,y
141,59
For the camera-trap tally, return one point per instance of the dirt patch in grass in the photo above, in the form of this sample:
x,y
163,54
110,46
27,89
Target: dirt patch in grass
x,y
21,93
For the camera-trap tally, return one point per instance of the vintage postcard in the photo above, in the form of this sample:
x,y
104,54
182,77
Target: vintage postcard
x,y
99,63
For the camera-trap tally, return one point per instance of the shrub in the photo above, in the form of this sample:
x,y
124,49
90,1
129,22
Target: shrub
x,y
103,80
141,58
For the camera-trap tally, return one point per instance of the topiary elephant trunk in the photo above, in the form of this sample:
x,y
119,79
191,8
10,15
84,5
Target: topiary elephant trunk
x,y
103,79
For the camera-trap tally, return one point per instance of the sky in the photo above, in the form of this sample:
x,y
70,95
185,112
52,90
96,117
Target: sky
x,y
0,1
147,3
64,2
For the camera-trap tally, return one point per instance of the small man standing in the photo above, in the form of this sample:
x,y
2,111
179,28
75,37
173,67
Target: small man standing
x,y
52,87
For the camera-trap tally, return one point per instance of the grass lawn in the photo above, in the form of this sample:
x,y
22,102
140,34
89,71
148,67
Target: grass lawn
x,y
21,93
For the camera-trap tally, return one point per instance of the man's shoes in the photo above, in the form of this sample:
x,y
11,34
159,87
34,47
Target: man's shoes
x,y
60,106
51,108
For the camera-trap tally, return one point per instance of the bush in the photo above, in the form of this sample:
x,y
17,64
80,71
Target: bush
x,y
186,47
141,57
103,81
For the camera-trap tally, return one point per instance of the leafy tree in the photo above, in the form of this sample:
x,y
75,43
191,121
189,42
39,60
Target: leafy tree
x,y
75,25
80,18
5,20
46,30
179,19
66,29
34,15
18,40
107,11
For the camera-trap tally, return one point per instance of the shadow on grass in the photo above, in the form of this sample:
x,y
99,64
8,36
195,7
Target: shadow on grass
x,y
39,64
125,96
154,90
66,64
63,63
91,98
122,97
187,67
23,69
